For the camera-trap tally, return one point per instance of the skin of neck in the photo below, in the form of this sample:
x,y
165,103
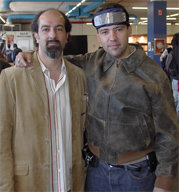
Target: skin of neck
x,y
125,54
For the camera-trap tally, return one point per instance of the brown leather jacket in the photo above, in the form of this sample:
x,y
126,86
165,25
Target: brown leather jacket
x,y
130,108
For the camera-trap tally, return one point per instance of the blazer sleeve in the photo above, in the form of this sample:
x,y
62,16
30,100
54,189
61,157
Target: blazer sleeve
x,y
6,128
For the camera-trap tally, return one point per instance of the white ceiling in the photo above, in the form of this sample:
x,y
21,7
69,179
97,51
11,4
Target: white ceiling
x,y
34,7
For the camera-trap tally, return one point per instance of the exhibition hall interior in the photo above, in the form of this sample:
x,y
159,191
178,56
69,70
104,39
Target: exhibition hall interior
x,y
16,17
135,90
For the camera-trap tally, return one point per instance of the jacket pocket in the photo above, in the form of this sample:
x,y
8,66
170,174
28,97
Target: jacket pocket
x,y
21,170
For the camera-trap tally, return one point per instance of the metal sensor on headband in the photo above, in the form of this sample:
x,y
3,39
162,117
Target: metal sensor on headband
x,y
109,17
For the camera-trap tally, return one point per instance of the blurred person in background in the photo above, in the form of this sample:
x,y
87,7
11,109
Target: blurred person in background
x,y
3,62
15,52
8,53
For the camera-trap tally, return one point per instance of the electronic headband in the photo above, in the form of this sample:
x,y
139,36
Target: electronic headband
x,y
113,16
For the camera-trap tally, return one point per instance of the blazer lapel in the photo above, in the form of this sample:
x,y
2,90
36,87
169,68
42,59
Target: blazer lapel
x,y
72,79
38,79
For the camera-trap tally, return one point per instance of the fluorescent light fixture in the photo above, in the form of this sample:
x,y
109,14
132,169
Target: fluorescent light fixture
x,y
132,18
176,23
173,15
139,7
79,4
143,18
9,25
2,19
88,23
172,8
168,8
168,23
171,18
142,23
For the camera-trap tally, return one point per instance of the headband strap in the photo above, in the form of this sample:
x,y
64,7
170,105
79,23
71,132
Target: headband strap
x,y
112,16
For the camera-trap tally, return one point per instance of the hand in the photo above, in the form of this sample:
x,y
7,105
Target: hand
x,y
23,59
156,189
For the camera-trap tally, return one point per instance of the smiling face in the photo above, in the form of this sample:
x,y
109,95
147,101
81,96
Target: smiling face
x,y
114,39
51,35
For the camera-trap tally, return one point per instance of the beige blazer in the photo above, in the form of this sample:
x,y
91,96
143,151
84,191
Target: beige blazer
x,y
24,128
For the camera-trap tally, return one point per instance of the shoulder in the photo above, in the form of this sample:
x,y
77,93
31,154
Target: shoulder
x,y
12,72
150,70
72,67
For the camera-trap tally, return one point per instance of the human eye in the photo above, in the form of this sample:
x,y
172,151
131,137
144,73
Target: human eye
x,y
45,29
118,29
59,28
104,32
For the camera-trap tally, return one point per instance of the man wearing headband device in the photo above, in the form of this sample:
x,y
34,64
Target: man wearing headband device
x,y
131,114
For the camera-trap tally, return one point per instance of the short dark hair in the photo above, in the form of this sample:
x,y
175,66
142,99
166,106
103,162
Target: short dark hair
x,y
35,22
9,46
106,6
175,40
15,45
175,46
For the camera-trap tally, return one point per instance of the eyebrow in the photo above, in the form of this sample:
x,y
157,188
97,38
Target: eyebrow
x,y
117,26
59,25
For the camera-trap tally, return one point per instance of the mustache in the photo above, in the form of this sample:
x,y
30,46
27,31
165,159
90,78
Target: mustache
x,y
53,41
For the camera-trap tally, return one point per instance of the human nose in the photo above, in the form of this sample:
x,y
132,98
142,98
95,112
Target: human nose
x,y
52,33
113,35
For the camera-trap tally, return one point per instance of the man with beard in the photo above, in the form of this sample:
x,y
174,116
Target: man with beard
x,y
131,117
42,114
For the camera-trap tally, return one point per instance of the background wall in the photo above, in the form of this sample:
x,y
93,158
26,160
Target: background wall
x,y
25,41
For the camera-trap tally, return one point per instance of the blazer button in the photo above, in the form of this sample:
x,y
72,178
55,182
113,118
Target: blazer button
x,y
46,141
46,166
46,116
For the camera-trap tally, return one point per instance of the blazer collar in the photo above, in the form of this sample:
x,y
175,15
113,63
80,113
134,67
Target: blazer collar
x,y
38,78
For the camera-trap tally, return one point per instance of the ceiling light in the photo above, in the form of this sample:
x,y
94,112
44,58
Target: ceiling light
x,y
171,18
168,8
172,8
2,20
139,7
143,18
168,23
132,18
142,23
176,23
79,4
173,15
9,25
